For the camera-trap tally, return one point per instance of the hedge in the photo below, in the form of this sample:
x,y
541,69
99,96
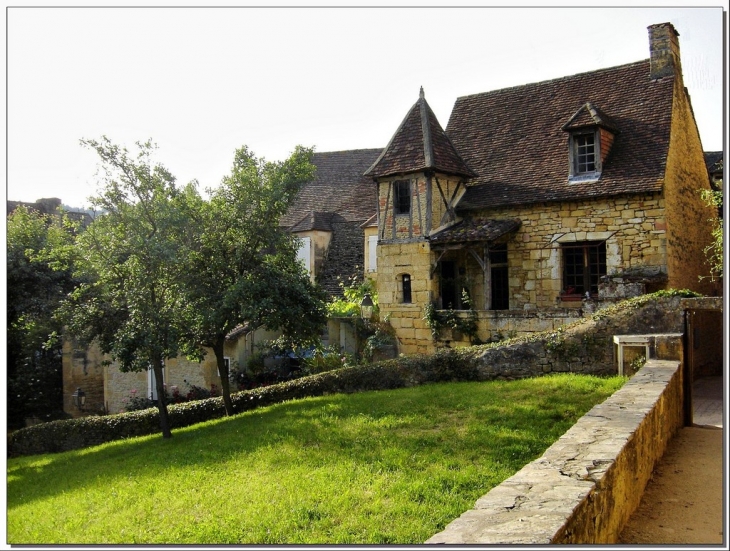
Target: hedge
x,y
72,434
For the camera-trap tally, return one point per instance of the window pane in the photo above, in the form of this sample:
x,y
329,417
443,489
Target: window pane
x,y
585,153
500,288
583,265
402,197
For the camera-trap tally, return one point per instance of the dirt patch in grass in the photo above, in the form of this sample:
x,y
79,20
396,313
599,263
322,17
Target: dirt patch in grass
x,y
682,503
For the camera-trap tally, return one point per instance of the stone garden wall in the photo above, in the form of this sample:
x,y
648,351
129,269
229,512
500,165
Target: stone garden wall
x,y
588,483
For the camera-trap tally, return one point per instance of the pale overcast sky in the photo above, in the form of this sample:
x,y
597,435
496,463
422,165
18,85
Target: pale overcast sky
x,y
201,82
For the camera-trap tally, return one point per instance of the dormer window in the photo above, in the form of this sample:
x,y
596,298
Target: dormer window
x,y
585,162
591,137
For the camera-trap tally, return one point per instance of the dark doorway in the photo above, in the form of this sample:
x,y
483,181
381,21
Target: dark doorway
x,y
703,355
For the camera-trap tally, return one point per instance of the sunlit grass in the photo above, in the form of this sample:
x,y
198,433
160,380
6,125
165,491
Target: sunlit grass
x,y
378,467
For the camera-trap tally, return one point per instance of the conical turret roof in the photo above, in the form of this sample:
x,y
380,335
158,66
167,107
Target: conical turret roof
x,y
419,144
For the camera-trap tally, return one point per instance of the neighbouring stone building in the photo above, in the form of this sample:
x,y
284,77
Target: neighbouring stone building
x,y
540,200
327,216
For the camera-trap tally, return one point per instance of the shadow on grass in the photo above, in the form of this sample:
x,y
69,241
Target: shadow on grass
x,y
504,425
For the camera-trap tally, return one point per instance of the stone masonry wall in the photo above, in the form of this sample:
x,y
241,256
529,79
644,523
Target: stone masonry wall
x,y
585,346
687,216
587,484
82,369
108,389
634,228
394,260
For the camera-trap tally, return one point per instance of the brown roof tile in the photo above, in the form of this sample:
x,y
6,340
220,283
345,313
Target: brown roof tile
x,y
338,187
478,229
513,138
589,115
419,144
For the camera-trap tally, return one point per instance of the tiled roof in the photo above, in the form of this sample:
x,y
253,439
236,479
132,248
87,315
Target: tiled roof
x,y
419,144
478,229
513,138
713,160
314,221
344,258
371,222
338,187
589,115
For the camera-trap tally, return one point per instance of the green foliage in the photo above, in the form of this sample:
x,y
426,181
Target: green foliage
x,y
562,348
39,274
467,324
637,302
327,359
382,334
130,258
353,293
445,365
381,467
241,264
714,251
637,364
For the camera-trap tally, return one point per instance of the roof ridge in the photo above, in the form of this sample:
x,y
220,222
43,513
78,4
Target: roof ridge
x,y
426,128
557,79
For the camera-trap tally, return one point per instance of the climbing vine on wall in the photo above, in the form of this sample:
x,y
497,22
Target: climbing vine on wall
x,y
437,320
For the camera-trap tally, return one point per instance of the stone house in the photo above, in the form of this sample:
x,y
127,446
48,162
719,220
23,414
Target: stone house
x,y
541,200
536,203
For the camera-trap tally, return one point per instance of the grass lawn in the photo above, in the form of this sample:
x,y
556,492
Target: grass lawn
x,y
372,468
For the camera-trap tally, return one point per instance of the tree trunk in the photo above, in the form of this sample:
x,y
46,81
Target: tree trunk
x,y
223,370
157,365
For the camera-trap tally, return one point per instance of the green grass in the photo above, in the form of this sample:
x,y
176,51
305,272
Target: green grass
x,y
372,468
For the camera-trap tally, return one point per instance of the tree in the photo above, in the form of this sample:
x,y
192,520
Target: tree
x,y
714,251
38,278
130,258
242,265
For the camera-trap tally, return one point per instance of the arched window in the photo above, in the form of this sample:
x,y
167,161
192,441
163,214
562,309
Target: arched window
x,y
406,288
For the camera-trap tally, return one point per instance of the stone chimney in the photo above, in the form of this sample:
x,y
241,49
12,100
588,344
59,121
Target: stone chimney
x,y
664,50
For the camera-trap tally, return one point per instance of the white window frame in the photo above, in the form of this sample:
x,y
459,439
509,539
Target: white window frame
x,y
372,253
151,386
227,361
304,254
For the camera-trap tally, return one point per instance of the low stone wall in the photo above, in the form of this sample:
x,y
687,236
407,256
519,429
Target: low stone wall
x,y
587,484
586,345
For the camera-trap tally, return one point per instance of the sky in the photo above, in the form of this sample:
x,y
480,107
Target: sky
x,y
201,82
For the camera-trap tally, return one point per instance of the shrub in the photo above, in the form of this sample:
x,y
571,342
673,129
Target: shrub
x,y
59,436
447,364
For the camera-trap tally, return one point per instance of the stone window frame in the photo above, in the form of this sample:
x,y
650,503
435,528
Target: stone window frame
x,y
570,292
